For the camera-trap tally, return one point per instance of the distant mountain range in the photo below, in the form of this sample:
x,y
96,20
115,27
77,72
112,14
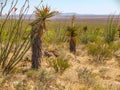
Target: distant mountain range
x,y
63,15
68,15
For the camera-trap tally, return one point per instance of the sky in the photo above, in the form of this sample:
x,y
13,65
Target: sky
x,y
85,6
76,6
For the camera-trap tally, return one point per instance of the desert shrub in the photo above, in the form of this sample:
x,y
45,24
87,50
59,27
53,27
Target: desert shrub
x,y
49,36
86,76
59,64
60,36
114,47
110,30
93,35
61,32
84,38
55,36
99,51
110,35
90,36
56,33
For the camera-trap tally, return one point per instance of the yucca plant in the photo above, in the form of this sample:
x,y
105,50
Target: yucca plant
x,y
38,27
72,33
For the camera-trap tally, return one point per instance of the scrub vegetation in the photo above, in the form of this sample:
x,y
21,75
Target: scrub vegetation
x,y
43,53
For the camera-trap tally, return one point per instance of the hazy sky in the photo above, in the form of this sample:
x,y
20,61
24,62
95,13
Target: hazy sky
x,y
85,6
78,6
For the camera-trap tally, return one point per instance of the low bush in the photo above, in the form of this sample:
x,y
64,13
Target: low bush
x,y
110,30
59,65
99,51
90,36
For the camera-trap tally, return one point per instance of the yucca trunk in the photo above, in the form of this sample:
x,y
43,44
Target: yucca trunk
x,y
38,26
36,52
72,45
36,35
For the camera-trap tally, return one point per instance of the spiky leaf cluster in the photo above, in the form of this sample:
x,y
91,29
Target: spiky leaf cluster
x,y
44,12
72,31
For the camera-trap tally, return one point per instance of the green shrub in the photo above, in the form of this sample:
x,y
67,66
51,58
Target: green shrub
x,y
55,36
114,47
93,35
110,31
89,36
99,51
110,35
59,65
84,38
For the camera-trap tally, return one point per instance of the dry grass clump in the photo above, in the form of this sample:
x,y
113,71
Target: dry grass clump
x,y
86,77
59,64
